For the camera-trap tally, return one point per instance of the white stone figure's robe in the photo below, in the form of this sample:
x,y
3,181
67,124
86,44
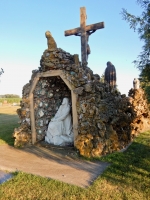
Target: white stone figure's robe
x,y
60,127
136,83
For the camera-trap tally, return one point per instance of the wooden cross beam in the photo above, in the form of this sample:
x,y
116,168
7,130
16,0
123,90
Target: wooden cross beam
x,y
84,31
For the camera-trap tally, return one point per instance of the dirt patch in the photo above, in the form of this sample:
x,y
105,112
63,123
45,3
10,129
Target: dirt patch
x,y
9,109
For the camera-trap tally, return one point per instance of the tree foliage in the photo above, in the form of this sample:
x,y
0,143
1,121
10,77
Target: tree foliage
x,y
141,24
1,71
9,96
102,78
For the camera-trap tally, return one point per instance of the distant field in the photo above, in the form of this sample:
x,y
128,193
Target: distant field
x,y
8,121
10,100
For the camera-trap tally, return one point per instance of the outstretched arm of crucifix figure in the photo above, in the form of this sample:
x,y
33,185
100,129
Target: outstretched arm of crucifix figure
x,y
78,34
88,32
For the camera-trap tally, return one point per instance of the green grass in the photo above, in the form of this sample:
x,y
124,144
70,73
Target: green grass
x,y
127,178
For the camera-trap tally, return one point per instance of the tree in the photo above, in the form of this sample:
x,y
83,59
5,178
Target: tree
x,y
1,71
102,78
141,24
10,96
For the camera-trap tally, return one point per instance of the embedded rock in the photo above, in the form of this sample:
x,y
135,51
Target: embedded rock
x,y
22,136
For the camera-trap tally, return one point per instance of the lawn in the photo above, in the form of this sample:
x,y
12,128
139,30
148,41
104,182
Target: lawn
x,y
127,178
8,121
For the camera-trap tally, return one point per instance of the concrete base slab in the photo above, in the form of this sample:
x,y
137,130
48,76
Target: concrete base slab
x,y
40,161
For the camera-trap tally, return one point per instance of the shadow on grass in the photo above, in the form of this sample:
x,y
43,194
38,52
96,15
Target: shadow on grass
x,y
7,125
131,167
129,171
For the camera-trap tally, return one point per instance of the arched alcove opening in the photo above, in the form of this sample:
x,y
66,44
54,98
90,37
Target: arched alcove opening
x,y
46,93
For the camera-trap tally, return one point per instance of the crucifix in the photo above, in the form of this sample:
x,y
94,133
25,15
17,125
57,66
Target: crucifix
x,y
84,31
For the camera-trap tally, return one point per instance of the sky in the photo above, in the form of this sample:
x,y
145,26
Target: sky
x,y
22,38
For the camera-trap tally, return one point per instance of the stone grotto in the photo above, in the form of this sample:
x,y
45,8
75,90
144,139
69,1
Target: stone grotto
x,y
103,120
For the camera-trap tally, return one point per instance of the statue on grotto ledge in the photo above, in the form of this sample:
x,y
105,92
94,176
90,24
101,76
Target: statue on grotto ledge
x,y
50,41
110,75
60,127
136,83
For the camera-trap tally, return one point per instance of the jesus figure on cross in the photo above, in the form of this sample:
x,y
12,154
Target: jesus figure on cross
x,y
88,33
84,32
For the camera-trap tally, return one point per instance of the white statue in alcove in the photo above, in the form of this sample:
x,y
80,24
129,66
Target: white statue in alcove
x,y
60,127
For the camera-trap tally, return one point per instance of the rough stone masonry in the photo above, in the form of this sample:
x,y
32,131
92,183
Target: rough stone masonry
x,y
107,120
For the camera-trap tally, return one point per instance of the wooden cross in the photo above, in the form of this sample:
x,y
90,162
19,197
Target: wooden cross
x,y
84,31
